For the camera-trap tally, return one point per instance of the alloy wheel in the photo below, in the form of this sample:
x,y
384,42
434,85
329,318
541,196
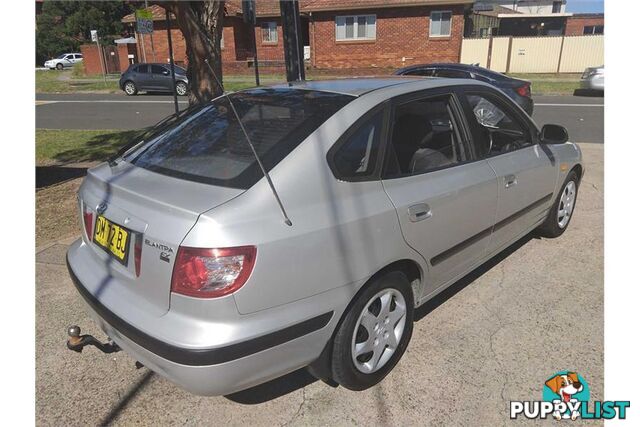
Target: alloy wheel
x,y
129,88
567,202
378,331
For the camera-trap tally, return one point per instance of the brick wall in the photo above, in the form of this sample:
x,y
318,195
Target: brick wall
x,y
269,51
400,32
576,24
123,55
160,48
91,59
237,46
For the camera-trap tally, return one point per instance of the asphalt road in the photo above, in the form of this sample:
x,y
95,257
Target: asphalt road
x,y
582,116
495,336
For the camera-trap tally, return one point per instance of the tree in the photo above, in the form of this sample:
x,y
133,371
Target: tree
x,y
201,26
64,25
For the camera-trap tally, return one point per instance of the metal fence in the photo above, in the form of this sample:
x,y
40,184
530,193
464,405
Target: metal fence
x,y
556,54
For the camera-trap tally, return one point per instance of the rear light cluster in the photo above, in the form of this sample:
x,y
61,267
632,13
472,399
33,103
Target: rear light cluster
x,y
524,90
87,218
212,273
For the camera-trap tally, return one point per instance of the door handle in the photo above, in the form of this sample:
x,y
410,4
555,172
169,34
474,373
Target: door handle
x,y
419,212
510,181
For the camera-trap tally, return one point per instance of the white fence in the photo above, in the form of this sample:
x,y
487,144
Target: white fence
x,y
557,54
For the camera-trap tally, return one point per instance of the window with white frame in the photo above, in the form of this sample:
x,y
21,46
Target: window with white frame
x,y
356,27
270,32
440,24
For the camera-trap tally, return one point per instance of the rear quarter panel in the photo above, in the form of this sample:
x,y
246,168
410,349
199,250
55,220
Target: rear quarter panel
x,y
342,233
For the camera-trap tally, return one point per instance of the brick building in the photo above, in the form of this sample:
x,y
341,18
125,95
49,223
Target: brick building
x,y
356,34
585,24
370,33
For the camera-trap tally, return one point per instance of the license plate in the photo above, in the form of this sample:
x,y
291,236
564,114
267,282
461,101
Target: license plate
x,y
113,238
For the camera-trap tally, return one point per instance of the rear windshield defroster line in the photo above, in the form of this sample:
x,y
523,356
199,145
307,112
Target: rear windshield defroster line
x,y
207,145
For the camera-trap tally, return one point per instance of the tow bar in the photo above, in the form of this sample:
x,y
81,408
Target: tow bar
x,y
77,342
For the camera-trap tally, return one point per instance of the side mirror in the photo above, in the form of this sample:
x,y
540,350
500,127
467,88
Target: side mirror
x,y
554,134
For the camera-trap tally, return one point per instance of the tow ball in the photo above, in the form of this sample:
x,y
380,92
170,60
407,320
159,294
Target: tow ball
x,y
77,342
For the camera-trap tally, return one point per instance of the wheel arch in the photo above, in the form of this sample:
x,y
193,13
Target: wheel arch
x,y
321,367
579,170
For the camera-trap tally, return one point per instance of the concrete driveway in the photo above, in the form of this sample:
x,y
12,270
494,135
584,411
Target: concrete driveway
x,y
493,337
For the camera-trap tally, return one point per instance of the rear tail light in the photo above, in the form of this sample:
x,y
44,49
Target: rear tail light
x,y
524,90
212,273
137,253
87,217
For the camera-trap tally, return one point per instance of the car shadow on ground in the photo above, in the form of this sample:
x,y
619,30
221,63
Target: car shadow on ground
x,y
100,147
589,93
50,175
301,378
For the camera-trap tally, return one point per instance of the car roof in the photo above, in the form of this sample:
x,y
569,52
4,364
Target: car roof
x,y
455,66
354,86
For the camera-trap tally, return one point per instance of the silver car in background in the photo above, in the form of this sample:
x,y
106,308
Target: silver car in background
x,y
593,79
395,188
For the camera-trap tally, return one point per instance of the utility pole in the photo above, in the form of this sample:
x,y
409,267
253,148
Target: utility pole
x,y
249,17
293,51
153,49
173,70
95,37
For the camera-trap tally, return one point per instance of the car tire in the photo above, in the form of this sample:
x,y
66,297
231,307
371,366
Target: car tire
x,y
363,355
181,88
59,67
562,209
130,88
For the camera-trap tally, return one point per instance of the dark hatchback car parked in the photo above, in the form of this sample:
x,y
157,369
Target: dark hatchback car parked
x,y
153,78
516,89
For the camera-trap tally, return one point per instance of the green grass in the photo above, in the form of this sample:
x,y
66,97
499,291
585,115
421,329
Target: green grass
x,y
60,146
53,81
551,84
544,87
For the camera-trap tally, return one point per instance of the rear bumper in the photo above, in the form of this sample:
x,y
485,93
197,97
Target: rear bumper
x,y
222,369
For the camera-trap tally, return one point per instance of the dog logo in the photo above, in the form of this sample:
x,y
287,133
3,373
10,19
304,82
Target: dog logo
x,y
568,387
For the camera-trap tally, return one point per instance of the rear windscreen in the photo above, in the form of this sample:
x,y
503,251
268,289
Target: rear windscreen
x,y
207,144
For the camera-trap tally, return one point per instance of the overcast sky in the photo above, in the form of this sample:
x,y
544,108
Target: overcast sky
x,y
585,6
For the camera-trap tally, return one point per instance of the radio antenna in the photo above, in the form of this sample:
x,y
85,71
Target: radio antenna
x,y
253,149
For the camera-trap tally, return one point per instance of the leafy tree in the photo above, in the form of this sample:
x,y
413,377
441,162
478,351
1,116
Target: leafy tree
x,y
65,25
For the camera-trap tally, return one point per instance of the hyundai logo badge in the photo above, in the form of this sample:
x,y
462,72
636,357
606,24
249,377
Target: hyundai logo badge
x,y
102,207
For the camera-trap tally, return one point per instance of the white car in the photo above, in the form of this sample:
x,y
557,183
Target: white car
x,y
66,60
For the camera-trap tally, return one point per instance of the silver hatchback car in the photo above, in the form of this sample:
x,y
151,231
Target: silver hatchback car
x,y
392,189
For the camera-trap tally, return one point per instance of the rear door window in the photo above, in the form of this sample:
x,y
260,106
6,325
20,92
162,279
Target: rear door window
x,y
158,69
207,144
453,74
356,158
424,137
424,72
